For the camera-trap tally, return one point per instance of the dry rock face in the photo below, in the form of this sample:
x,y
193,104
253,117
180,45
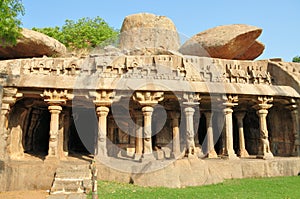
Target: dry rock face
x,y
33,44
148,31
236,41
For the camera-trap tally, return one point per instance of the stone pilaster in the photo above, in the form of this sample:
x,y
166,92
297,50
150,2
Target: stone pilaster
x,y
242,148
211,153
229,104
262,112
176,134
295,119
9,97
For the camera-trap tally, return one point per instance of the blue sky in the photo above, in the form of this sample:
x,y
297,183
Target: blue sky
x,y
280,20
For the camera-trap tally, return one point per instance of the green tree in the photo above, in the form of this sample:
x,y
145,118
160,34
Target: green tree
x,y
83,34
9,21
296,59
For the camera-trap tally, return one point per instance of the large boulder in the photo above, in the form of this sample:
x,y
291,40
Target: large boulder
x,y
255,50
227,42
33,44
146,30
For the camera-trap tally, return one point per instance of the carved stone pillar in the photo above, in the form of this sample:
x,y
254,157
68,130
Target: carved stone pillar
x,y
176,134
54,127
242,148
147,100
102,102
9,97
211,153
295,119
55,98
190,101
262,111
102,113
138,135
147,112
229,152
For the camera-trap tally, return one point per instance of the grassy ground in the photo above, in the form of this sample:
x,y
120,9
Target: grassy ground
x,y
280,187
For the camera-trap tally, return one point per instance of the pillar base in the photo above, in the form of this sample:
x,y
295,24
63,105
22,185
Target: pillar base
x,y
212,154
243,153
176,155
230,157
266,156
148,157
137,157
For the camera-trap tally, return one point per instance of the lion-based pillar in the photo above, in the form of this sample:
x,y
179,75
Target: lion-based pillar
x,y
211,153
262,112
242,147
191,101
228,130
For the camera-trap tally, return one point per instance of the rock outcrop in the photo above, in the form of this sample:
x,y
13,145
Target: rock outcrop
x,y
33,44
146,30
236,41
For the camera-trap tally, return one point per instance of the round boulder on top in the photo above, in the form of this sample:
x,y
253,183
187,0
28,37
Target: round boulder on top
x,y
146,30
226,42
255,50
33,44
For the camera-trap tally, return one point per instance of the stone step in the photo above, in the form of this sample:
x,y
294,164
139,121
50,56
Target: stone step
x,y
68,196
74,174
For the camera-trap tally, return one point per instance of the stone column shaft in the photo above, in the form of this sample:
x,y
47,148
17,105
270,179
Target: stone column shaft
x,y
242,148
295,119
54,127
147,112
229,152
176,134
3,131
102,113
190,142
211,153
138,135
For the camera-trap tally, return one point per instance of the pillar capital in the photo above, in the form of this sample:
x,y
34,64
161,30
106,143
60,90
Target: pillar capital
x,y
263,103
191,98
148,98
229,101
56,96
9,97
102,97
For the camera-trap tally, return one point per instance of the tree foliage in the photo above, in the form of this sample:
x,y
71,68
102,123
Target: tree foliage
x,y
296,59
9,21
82,34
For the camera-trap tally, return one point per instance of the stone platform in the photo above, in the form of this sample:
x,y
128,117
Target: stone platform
x,y
38,174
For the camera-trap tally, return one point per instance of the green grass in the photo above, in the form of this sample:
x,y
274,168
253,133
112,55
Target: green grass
x,y
279,187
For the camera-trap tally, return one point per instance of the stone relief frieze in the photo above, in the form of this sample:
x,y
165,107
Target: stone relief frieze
x,y
166,67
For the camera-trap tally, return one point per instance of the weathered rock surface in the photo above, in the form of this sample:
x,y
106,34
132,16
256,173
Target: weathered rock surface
x,y
33,44
146,30
226,42
252,52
